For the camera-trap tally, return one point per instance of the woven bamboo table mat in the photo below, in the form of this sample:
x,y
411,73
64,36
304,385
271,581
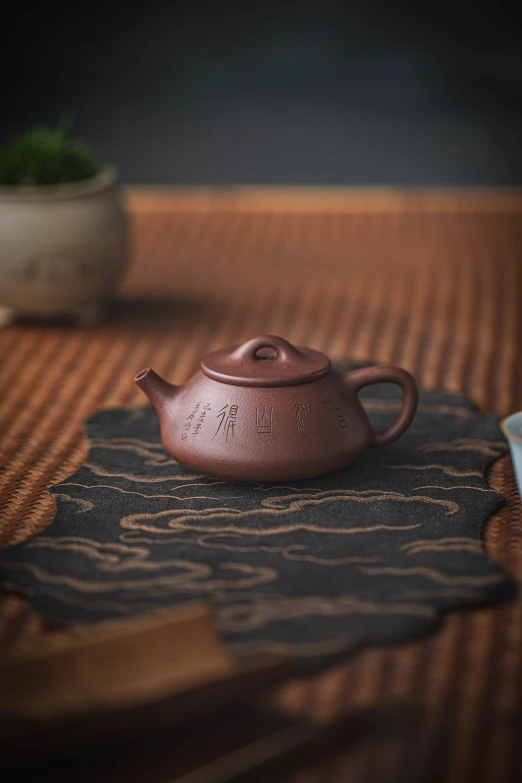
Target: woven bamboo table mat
x,y
428,280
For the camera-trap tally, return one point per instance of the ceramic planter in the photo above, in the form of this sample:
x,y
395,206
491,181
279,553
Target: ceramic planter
x,y
63,248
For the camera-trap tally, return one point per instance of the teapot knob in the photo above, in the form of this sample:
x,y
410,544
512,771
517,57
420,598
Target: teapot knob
x,y
244,365
284,350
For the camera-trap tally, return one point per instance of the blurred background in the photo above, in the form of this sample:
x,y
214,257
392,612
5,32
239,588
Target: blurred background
x,y
354,92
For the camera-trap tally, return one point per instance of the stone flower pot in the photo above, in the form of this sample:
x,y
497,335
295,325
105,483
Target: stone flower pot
x,y
63,248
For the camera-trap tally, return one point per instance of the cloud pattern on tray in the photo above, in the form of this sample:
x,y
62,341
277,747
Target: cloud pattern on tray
x,y
317,568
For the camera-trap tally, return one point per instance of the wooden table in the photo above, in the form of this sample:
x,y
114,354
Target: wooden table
x,y
429,280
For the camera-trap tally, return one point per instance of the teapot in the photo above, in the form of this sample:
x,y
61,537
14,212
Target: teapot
x,y
269,411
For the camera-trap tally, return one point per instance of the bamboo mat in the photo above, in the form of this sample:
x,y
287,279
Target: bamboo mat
x,y
428,280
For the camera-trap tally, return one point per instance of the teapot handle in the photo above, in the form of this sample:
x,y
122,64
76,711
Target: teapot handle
x,y
367,376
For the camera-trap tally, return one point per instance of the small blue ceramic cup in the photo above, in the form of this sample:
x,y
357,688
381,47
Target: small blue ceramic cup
x,y
512,429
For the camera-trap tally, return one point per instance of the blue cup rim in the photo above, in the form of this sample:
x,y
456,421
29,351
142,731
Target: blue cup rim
x,y
504,426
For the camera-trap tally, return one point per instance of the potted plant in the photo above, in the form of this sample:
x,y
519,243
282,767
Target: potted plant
x,y
63,231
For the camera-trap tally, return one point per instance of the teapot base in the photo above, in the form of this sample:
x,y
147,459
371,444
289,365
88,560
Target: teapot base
x,y
269,474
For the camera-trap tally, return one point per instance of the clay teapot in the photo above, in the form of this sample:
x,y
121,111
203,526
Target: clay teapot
x,y
268,411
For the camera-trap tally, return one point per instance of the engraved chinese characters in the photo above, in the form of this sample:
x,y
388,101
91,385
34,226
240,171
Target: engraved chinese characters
x,y
195,420
304,418
264,423
227,417
335,413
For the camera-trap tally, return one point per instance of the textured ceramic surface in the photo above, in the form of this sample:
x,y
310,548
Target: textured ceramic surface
x,y
63,248
268,411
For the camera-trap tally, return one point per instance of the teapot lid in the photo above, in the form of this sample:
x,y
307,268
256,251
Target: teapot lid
x,y
285,365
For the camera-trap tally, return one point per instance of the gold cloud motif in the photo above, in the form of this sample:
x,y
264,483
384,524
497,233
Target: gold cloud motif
x,y
99,471
287,552
444,544
278,487
111,557
185,523
448,470
254,615
108,553
433,575
85,505
280,503
153,453
462,486
486,447
332,561
358,496
169,496
191,519
89,605
191,577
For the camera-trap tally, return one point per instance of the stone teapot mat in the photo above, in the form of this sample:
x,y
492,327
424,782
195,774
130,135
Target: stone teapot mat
x,y
316,568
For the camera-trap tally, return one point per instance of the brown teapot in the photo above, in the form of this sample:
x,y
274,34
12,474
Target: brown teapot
x,y
268,411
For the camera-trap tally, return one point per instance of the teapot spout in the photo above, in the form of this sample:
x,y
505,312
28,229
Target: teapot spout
x,y
158,390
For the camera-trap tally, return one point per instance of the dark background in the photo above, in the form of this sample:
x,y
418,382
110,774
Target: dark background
x,y
365,92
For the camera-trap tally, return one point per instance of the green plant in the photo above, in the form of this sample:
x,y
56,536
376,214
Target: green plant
x,y
47,156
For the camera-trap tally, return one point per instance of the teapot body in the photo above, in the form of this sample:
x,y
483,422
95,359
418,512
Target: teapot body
x,y
280,433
